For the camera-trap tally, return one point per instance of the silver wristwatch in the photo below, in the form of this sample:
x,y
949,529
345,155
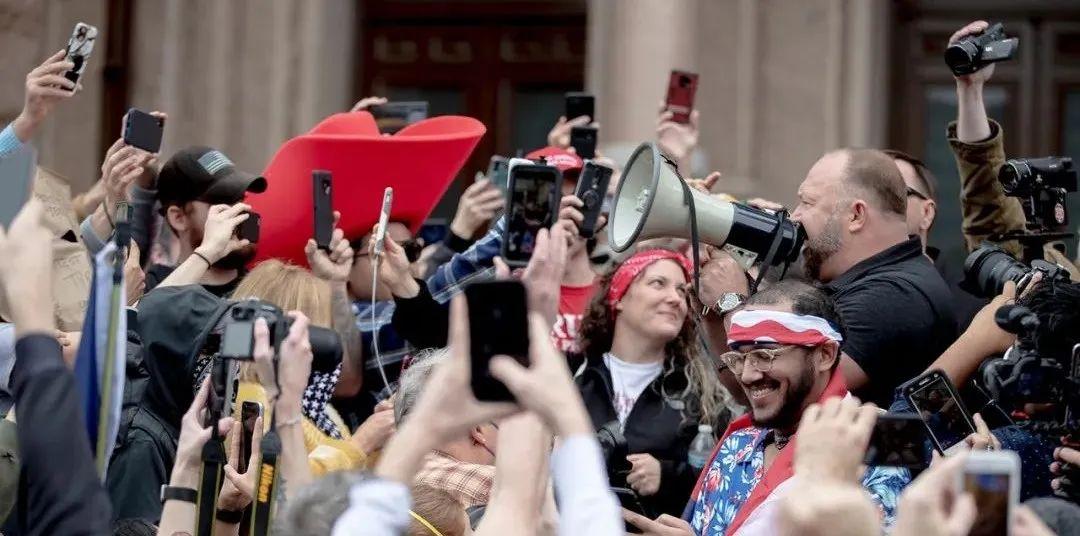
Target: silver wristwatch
x,y
728,302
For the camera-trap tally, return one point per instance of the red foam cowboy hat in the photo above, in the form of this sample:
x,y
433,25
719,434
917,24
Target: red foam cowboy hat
x,y
419,162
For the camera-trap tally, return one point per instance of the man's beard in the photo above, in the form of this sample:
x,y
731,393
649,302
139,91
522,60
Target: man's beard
x,y
791,410
817,250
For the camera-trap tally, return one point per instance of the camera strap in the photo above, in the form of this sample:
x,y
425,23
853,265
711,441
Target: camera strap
x,y
266,483
767,261
213,455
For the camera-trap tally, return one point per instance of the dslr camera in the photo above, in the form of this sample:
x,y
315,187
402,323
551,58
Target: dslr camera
x,y
238,337
1024,377
977,51
988,268
1041,184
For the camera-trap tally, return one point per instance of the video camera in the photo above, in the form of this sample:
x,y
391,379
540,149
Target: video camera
x,y
1042,185
1024,377
977,51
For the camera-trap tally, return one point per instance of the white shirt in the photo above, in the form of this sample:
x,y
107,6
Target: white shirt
x,y
628,380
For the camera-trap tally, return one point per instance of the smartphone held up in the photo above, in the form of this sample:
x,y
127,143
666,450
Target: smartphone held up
x,y
498,325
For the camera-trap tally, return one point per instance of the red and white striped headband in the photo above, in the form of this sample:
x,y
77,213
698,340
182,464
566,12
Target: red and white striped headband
x,y
759,327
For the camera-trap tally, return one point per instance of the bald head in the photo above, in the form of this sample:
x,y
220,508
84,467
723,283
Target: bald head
x,y
873,176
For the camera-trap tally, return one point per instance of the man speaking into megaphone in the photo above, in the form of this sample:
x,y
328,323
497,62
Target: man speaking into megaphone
x,y
895,306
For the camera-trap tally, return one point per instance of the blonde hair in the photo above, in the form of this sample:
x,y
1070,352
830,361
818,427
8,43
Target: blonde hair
x,y
290,287
440,509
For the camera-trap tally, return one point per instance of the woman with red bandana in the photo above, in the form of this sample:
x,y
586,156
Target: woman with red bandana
x,y
645,383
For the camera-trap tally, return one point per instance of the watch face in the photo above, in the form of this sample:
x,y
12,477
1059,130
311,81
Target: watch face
x,y
729,302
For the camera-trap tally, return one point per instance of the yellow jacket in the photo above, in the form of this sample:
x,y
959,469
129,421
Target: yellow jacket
x,y
325,454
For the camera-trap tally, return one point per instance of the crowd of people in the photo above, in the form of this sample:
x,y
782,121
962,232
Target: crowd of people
x,y
629,361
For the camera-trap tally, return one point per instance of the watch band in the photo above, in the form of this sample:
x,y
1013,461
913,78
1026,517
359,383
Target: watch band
x,y
231,517
173,493
456,243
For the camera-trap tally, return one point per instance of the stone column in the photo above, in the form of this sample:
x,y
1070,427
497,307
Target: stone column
x,y
780,83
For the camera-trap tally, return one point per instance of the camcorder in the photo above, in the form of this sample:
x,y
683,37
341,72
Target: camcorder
x,y
1045,388
1041,185
977,51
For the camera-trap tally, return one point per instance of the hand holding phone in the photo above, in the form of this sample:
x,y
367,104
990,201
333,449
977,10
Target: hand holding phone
x,y
249,415
143,130
939,406
591,189
680,95
323,207
993,480
583,140
898,440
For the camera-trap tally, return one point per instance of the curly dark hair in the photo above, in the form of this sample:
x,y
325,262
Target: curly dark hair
x,y
705,398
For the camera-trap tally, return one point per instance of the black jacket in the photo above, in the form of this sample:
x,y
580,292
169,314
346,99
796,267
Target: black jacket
x,y
656,426
173,324
59,490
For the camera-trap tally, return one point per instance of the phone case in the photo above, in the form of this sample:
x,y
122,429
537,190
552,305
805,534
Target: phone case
x,y
80,45
249,228
322,190
591,189
143,130
524,219
680,95
929,378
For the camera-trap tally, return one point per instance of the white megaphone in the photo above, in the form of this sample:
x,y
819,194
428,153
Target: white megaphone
x,y
651,202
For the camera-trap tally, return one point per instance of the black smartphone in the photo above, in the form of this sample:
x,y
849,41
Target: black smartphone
x,y
394,116
321,185
498,325
534,205
583,140
629,499
591,188
935,399
898,440
249,228
79,47
143,130
249,411
498,171
579,104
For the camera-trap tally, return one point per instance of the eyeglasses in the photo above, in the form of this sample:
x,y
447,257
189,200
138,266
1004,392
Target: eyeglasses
x,y
916,193
761,359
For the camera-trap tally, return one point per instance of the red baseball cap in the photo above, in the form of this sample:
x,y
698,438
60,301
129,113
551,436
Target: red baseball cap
x,y
568,163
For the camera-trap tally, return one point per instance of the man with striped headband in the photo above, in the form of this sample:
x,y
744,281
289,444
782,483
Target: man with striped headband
x,y
784,347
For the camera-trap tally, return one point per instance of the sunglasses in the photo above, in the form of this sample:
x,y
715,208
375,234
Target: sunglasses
x,y
916,193
413,247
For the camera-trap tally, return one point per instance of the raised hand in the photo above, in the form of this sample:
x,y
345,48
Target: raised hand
x,y
394,272
238,489
333,265
478,205
45,87
26,264
219,237
559,136
832,439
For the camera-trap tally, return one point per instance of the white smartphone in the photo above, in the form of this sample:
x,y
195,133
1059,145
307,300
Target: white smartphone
x,y
993,480
384,219
79,47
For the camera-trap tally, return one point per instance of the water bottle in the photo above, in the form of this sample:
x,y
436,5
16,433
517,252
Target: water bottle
x,y
701,448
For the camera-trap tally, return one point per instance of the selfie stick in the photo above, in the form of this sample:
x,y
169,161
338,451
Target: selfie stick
x,y
380,241
121,239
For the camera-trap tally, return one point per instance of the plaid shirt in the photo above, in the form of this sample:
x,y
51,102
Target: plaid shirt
x,y
469,483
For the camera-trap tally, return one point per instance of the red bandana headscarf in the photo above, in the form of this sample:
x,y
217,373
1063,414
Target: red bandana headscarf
x,y
630,268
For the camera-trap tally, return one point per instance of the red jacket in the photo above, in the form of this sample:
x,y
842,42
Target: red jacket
x,y
782,467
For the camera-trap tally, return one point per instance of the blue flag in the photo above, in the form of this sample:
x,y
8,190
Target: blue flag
x,y
100,362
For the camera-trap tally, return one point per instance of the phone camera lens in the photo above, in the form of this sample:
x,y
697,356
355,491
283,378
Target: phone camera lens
x,y
589,199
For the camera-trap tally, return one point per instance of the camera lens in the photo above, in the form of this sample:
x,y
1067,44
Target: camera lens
x,y
988,268
961,57
1015,178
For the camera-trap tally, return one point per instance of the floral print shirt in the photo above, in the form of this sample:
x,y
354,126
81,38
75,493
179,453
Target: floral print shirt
x,y
738,467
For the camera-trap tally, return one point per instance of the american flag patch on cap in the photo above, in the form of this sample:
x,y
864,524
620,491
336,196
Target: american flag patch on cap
x,y
214,161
